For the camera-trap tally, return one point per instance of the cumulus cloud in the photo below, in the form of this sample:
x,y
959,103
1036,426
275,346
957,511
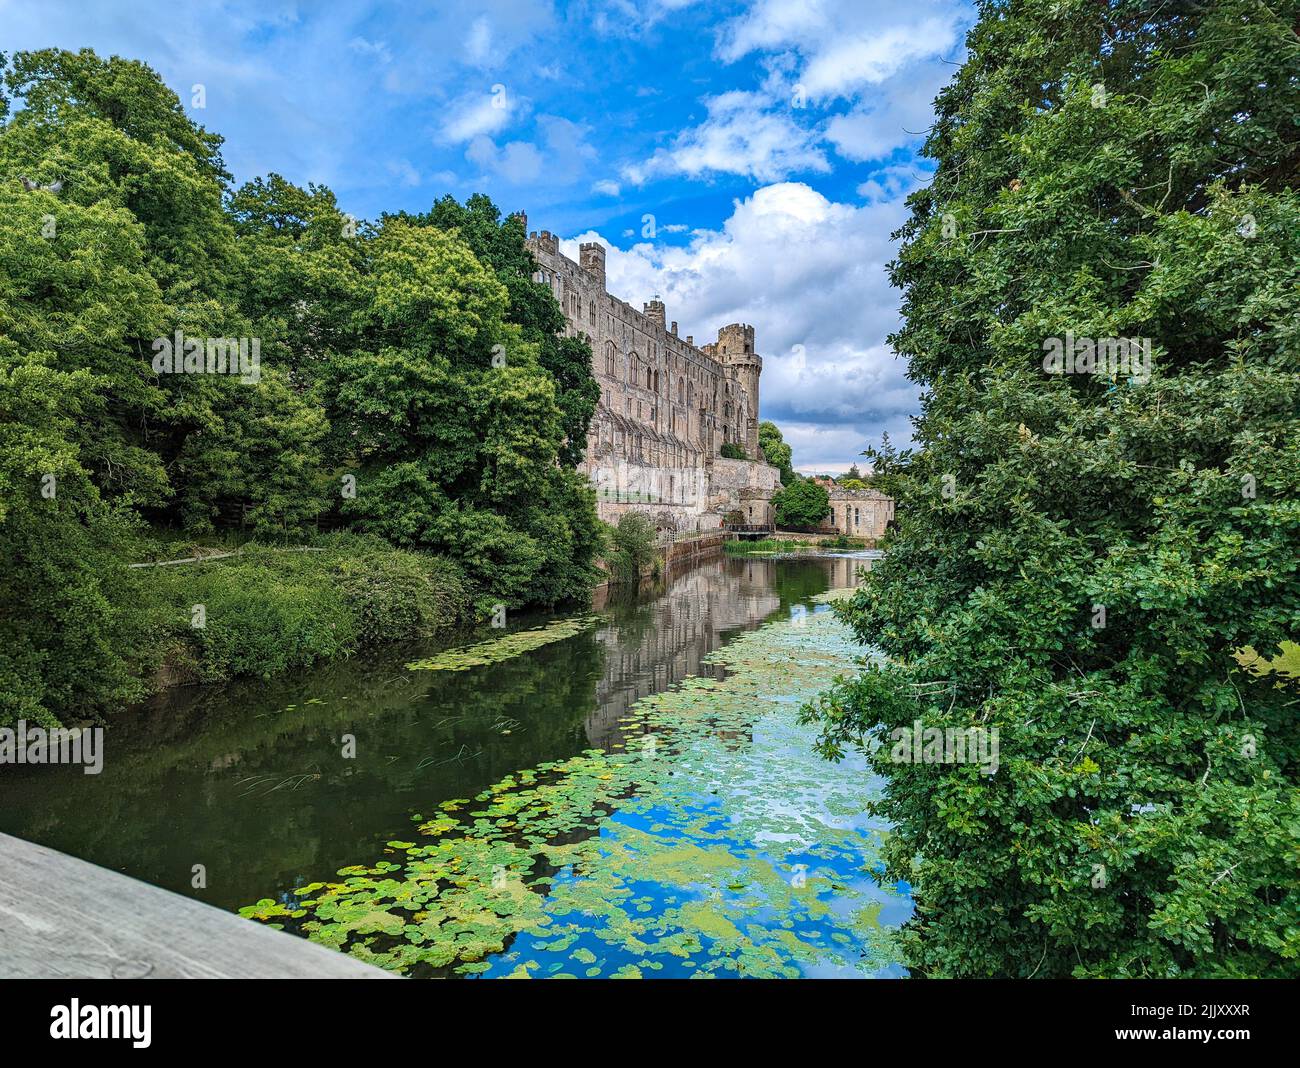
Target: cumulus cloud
x,y
809,274
882,58
562,153
898,113
479,114
845,45
743,134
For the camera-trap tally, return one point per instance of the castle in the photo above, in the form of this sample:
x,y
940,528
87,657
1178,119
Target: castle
x,y
666,406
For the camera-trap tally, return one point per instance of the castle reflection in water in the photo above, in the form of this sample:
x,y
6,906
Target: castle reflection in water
x,y
661,634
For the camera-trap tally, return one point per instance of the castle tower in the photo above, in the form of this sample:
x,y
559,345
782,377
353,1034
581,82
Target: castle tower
x,y
655,311
735,348
591,258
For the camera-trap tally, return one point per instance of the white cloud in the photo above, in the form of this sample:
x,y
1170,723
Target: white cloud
x,y
883,57
564,154
892,183
845,45
607,188
478,43
809,275
742,135
479,114
517,162
404,171
898,113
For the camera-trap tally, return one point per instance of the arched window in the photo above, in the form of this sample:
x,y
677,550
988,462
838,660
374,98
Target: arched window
x,y
681,392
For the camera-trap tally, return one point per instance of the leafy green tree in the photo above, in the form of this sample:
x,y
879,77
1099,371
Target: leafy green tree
x,y
803,503
452,425
499,244
1081,556
379,355
775,450
71,632
732,451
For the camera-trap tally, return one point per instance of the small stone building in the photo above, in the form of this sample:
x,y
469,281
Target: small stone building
x,y
860,513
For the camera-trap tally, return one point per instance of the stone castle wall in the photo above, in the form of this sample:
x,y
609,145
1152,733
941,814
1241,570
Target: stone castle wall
x,y
667,406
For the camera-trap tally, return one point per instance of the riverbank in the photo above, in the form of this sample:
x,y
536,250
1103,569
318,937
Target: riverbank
x,y
704,838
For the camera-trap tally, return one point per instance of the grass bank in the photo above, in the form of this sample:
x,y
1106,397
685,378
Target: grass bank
x,y
259,611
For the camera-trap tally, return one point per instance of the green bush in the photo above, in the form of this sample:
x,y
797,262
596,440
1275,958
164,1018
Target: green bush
x,y
395,595
803,503
268,610
731,451
632,546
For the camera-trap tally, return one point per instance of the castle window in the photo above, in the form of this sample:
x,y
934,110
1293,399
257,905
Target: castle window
x,y
591,313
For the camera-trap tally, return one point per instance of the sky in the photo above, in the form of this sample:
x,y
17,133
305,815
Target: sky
x,y
747,162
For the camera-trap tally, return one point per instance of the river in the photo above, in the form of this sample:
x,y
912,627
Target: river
x,y
247,792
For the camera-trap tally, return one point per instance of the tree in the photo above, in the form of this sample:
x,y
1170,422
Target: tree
x,y
775,450
732,451
803,503
532,306
392,356
1081,557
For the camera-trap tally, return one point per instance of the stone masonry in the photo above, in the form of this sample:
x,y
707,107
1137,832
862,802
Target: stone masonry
x,y
667,406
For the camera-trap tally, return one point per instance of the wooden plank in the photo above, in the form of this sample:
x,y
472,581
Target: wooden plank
x,y
64,918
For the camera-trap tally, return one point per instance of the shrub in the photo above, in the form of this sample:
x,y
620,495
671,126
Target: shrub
x,y
632,546
803,503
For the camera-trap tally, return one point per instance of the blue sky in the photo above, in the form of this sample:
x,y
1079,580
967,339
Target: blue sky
x,y
746,161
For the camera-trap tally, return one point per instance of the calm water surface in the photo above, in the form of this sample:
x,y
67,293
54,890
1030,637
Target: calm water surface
x,y
246,779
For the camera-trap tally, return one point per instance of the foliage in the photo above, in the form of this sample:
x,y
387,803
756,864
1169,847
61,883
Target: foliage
x,y
495,650
803,503
498,244
632,546
269,610
731,451
775,450
1080,557
378,371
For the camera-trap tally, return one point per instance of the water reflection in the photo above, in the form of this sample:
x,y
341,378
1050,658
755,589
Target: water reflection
x,y
249,779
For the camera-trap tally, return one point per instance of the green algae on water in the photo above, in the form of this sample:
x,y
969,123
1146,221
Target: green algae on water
x,y
714,843
494,650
